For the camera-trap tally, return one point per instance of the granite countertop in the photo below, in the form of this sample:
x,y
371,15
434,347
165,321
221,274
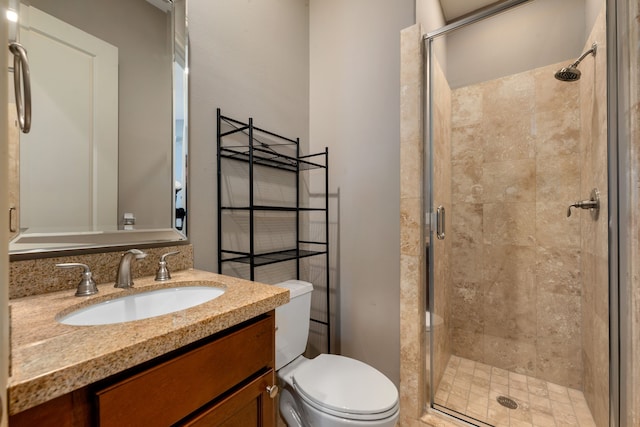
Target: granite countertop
x,y
49,359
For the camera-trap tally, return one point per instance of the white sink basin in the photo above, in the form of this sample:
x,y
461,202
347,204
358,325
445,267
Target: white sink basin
x,y
141,306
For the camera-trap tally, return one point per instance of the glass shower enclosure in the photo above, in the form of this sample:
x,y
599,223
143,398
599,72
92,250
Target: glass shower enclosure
x,y
517,204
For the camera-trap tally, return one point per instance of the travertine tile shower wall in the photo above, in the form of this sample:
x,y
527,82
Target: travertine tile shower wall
x,y
594,242
516,288
413,354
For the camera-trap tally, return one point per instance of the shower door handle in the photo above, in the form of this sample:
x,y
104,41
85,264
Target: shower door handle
x,y
21,69
440,222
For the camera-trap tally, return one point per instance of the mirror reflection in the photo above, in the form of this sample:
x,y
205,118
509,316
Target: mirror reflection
x,y
107,150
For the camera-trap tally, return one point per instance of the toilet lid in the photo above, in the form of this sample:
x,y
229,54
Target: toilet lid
x,y
346,386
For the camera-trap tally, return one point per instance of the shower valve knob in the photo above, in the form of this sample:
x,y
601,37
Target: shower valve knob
x,y
592,204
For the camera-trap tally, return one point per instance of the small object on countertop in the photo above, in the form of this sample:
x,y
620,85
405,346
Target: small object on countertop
x,y
128,221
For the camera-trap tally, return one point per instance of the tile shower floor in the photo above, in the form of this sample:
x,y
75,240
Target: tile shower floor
x,y
472,389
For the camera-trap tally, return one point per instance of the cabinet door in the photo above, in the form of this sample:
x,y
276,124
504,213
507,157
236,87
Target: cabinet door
x,y
247,407
168,392
69,410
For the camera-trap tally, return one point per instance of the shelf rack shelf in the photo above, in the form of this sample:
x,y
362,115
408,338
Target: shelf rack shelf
x,y
256,147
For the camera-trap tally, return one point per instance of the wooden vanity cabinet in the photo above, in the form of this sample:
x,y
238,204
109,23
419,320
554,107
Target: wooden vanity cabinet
x,y
248,406
221,381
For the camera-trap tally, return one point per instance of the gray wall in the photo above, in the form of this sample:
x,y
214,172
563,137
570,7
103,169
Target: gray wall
x,y
251,60
550,31
429,15
355,111
529,28
338,63
592,9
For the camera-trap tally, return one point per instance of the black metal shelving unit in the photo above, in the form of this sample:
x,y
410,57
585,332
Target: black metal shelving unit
x,y
259,147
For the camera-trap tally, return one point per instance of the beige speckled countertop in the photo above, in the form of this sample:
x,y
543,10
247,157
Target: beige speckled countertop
x,y
49,359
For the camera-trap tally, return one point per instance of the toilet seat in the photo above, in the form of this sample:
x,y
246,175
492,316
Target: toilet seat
x,y
346,388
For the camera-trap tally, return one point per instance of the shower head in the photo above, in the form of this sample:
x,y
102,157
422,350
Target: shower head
x,y
571,73
568,74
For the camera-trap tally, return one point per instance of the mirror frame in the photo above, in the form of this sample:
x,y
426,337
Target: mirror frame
x,y
43,245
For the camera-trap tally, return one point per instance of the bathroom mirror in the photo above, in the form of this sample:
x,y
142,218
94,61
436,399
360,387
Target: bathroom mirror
x,y
105,163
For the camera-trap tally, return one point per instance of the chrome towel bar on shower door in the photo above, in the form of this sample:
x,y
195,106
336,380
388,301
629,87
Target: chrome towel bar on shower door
x,y
21,69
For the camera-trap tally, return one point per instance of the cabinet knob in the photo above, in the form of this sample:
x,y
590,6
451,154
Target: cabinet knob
x,y
273,391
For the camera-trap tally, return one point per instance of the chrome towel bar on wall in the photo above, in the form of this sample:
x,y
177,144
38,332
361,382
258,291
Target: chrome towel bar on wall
x,y
21,69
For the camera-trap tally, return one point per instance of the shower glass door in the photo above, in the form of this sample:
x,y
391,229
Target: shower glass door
x,y
519,282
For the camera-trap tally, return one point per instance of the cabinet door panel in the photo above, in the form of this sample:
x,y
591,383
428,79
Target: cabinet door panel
x,y
247,407
69,410
167,393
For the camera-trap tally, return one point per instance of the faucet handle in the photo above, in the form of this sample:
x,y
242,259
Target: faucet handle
x,y
163,272
137,252
87,285
162,258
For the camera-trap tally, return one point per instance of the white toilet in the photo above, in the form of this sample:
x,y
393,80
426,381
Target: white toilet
x,y
330,390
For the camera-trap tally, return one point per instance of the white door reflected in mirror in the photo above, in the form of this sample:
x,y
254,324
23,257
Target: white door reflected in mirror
x,y
75,134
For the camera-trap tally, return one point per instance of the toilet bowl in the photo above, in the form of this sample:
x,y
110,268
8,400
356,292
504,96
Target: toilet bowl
x,y
329,390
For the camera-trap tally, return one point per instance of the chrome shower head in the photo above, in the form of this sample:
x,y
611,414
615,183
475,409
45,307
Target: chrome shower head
x,y
571,73
568,74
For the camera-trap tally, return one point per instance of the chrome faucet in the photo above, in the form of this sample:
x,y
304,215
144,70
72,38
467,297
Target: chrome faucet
x,y
124,280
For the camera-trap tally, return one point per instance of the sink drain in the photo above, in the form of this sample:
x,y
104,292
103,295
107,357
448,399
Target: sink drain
x,y
507,402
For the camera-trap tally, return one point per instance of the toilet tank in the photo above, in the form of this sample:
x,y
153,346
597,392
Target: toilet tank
x,y
292,322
